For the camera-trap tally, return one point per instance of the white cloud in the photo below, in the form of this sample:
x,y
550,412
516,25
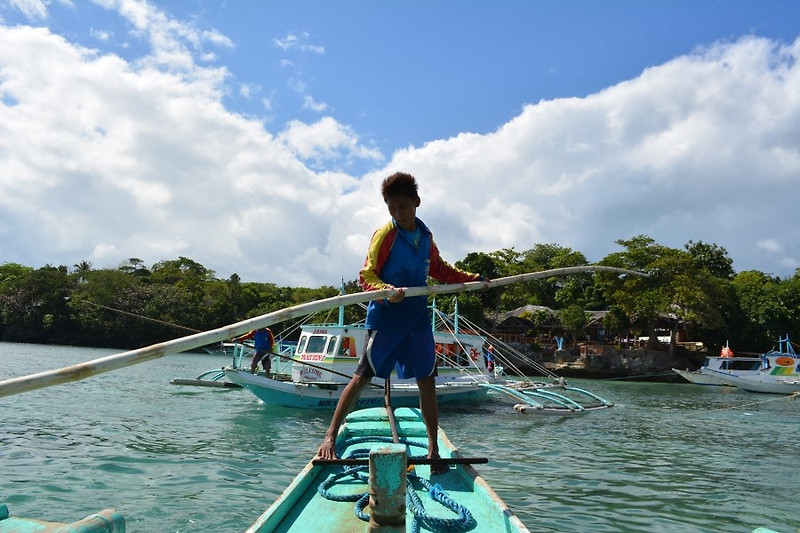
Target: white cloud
x,y
703,147
325,139
247,90
108,160
770,245
217,39
778,252
295,41
33,9
296,82
789,263
101,35
174,42
104,159
309,103
104,253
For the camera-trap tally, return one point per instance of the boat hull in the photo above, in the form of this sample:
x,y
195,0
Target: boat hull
x,y
302,508
698,377
765,383
319,396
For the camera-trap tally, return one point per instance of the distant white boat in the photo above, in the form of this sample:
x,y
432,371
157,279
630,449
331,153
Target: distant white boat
x,y
779,372
724,364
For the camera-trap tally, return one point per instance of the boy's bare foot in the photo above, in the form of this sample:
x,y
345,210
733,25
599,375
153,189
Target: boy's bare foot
x,y
437,469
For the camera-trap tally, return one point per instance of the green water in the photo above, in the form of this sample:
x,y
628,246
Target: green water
x,y
666,458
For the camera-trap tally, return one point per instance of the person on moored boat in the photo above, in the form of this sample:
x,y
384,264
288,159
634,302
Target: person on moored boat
x,y
263,343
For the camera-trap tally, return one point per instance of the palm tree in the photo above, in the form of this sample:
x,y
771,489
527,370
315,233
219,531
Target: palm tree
x,y
82,269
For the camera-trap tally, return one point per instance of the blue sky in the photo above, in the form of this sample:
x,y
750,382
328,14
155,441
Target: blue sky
x,y
229,131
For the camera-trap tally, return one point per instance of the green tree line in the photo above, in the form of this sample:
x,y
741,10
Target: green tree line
x,y
694,288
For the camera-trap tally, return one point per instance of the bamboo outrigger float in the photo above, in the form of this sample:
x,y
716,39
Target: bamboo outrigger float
x,y
322,496
107,521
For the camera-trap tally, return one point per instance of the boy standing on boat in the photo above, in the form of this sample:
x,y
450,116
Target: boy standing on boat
x,y
401,254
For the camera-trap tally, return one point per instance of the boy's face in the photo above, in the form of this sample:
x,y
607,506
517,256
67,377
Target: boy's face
x,y
404,210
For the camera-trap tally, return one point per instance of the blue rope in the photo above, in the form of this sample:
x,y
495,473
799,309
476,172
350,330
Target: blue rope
x,y
464,522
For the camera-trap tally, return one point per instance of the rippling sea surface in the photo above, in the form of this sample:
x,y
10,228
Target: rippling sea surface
x,y
666,458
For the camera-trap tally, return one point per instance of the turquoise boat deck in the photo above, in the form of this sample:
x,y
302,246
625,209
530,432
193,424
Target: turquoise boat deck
x,y
302,507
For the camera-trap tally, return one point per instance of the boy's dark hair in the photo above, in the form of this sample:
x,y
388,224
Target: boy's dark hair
x,y
400,183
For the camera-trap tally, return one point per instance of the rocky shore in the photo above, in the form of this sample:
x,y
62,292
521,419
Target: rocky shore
x,y
611,362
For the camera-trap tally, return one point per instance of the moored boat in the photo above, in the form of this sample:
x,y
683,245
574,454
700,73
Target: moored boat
x,y
779,372
727,363
321,497
327,354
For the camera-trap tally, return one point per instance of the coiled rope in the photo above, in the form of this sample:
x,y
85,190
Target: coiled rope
x,y
463,522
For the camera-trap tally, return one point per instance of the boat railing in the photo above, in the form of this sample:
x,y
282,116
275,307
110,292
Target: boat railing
x,y
785,346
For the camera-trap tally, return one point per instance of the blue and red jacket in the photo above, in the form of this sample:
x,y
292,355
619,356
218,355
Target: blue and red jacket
x,y
393,260
263,340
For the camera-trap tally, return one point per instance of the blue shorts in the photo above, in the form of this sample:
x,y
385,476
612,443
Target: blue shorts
x,y
412,354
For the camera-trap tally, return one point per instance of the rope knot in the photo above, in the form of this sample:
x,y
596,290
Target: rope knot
x,y
434,490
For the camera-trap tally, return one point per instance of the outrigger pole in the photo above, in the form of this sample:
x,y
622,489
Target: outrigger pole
x,y
87,369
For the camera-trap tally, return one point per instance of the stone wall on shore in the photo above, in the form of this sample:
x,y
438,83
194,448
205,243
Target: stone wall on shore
x,y
611,362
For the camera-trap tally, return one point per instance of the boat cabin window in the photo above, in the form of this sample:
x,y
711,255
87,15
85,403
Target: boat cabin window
x,y
327,345
735,364
348,347
316,344
331,344
301,345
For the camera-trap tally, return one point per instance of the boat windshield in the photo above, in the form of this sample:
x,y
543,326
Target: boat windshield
x,y
316,344
739,364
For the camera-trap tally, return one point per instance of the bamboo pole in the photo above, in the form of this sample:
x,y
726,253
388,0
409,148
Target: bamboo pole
x,y
87,369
